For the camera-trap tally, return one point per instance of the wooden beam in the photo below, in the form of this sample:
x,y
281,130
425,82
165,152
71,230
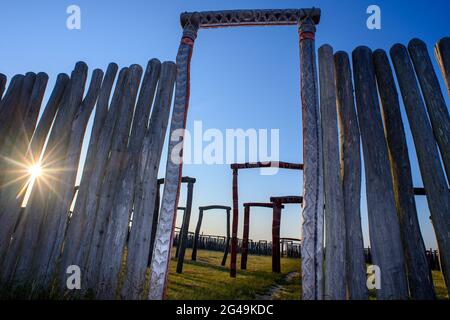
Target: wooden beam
x,y
442,53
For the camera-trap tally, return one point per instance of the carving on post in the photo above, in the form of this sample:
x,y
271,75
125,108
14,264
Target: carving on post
x,y
237,18
164,232
199,225
312,229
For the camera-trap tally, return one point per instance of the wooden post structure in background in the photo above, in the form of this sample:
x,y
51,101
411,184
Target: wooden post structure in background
x,y
351,178
418,271
276,217
335,261
312,211
433,177
197,235
442,53
234,229
185,228
245,237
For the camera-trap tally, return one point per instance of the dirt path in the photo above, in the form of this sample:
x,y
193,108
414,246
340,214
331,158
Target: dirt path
x,y
277,288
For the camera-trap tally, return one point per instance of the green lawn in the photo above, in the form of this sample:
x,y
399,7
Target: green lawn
x,y
207,279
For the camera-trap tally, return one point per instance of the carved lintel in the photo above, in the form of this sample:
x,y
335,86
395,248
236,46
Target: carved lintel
x,y
262,17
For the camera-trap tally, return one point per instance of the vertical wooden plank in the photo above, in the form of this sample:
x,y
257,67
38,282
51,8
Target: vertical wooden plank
x,y
54,227
235,224
144,206
335,282
117,228
245,237
10,210
114,171
227,244
351,178
433,176
312,210
276,260
3,80
434,100
154,223
81,225
197,235
185,228
418,271
383,222
27,232
442,53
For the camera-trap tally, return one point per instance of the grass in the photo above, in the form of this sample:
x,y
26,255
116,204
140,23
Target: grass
x,y
207,279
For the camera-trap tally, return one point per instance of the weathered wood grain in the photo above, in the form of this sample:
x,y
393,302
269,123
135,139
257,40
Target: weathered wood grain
x,y
114,170
335,258
117,228
81,225
27,232
433,176
3,80
144,207
384,228
418,272
10,210
351,178
54,227
434,100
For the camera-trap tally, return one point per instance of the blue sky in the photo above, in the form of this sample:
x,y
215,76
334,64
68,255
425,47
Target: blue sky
x,y
240,77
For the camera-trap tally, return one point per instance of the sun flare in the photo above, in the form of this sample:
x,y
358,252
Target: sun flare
x,y
35,171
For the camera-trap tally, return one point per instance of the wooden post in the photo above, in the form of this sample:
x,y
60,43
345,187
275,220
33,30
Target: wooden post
x,y
3,80
10,210
103,207
276,260
28,230
54,227
335,264
351,178
180,233
81,225
144,206
431,91
185,228
312,210
227,244
245,238
383,222
418,273
197,235
433,177
235,225
154,223
442,53
117,228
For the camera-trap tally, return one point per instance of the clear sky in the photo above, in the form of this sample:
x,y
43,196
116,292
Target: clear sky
x,y
240,77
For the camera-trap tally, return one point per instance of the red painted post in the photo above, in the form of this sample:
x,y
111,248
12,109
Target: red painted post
x,y
276,261
235,225
245,237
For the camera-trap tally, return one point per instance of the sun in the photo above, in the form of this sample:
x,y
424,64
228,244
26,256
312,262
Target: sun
x,y
35,171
